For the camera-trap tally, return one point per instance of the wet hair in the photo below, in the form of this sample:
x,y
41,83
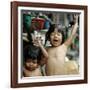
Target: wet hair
x,y
52,29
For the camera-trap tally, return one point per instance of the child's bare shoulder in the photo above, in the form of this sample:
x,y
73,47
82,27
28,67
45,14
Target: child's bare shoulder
x,y
64,47
48,48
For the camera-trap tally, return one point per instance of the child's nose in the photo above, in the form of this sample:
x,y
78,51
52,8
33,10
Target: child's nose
x,y
31,64
55,35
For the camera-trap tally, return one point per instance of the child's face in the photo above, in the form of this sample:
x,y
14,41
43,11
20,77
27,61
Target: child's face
x,y
55,38
31,64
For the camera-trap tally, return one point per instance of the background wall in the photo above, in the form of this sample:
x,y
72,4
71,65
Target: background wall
x,y
5,46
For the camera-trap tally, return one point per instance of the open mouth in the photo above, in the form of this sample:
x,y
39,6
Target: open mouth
x,y
31,68
55,40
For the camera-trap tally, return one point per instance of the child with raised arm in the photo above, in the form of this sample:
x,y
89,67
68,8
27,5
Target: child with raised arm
x,y
32,58
56,64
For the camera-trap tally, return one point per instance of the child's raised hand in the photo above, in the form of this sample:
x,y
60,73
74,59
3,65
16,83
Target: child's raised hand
x,y
37,42
36,39
74,30
76,16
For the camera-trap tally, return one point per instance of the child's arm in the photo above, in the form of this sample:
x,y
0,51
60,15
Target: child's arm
x,y
44,51
74,29
37,42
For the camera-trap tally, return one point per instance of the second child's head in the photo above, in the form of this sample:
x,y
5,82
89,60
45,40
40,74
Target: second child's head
x,y
31,57
31,64
55,36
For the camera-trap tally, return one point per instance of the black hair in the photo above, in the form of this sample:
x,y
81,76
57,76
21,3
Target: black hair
x,y
32,52
51,29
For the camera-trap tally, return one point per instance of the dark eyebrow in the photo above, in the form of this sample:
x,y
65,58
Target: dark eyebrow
x,y
34,61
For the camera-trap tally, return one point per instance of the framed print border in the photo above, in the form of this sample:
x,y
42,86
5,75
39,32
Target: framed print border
x,y
14,43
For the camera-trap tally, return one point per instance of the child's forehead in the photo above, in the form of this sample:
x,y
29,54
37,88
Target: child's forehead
x,y
29,59
57,30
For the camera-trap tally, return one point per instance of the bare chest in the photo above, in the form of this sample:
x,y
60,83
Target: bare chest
x,y
57,52
36,72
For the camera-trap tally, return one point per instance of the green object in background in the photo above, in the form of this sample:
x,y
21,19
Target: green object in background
x,y
27,20
77,42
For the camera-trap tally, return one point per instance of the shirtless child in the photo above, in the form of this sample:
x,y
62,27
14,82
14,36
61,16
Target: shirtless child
x,y
31,68
56,64
32,58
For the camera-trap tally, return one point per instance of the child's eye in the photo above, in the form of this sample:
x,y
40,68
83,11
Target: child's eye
x,y
52,34
58,34
34,61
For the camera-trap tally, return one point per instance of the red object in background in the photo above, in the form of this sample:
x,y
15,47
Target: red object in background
x,y
38,23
